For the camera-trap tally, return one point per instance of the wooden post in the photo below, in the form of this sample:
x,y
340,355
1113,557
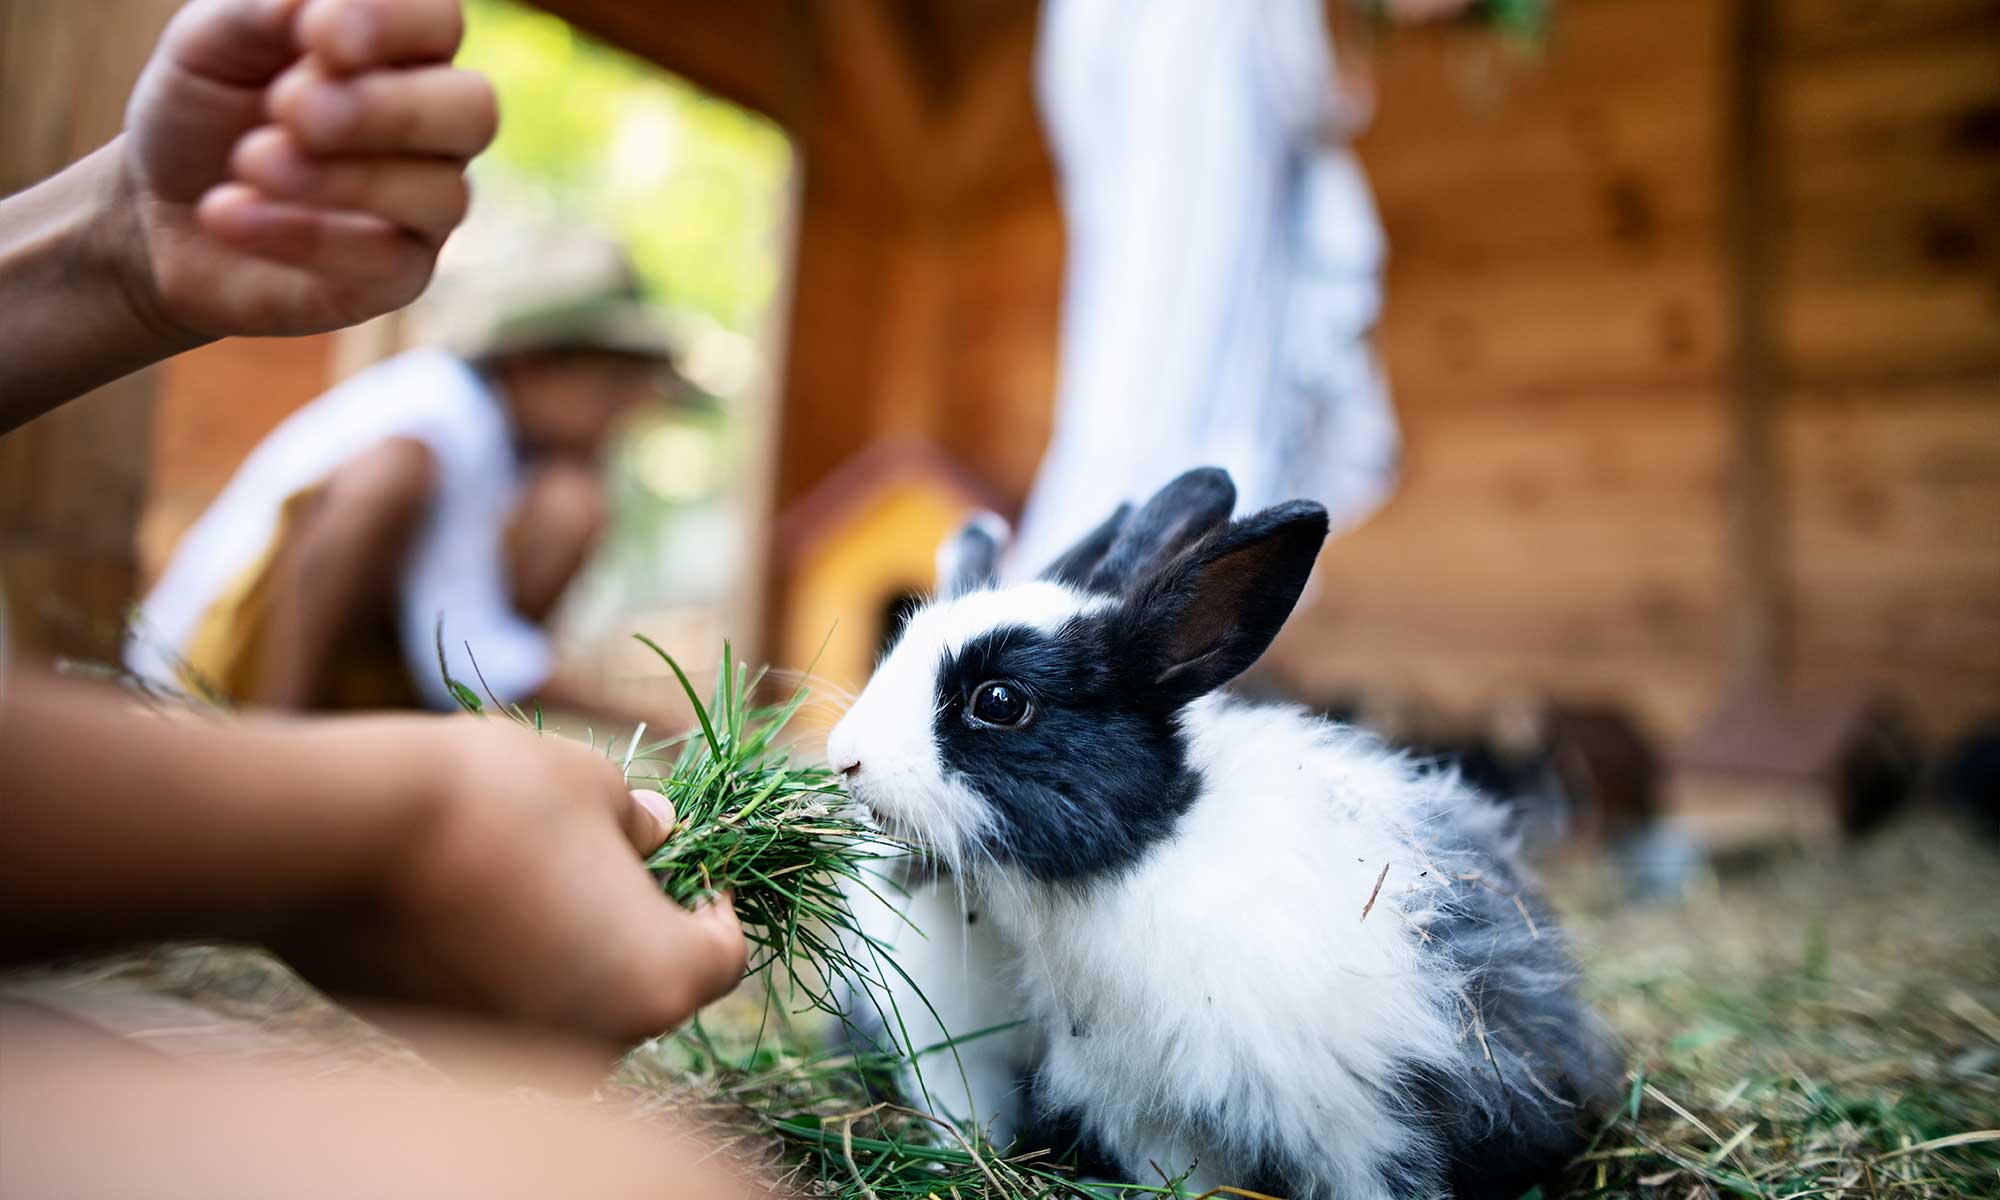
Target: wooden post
x,y
72,483
1759,606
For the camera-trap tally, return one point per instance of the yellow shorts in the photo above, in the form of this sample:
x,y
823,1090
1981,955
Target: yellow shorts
x,y
224,657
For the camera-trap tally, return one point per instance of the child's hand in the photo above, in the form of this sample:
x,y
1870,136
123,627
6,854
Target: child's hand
x,y
518,890
294,166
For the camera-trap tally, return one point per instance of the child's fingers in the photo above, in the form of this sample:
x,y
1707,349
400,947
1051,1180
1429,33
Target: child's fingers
x,y
669,963
328,244
426,196
719,910
651,822
420,111
728,949
351,36
241,42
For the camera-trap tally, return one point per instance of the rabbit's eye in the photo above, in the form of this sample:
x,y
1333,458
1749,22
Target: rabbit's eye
x,y
1000,704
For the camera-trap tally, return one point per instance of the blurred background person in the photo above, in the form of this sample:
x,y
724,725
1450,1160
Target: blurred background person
x,y
1225,259
437,504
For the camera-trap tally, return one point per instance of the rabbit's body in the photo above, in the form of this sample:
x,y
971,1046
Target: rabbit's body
x,y
1246,941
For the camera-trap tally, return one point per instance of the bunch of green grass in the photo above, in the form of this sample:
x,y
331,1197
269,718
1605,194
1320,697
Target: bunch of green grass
x,y
754,820
751,818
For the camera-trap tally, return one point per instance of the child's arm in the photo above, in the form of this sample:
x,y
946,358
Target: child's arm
x,y
439,860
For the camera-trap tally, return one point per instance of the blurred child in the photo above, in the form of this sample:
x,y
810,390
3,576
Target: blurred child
x,y
430,492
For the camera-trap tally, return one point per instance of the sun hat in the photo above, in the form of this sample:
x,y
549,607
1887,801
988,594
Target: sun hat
x,y
561,291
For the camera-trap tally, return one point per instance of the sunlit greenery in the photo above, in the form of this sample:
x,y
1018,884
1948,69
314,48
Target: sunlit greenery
x,y
698,191
693,184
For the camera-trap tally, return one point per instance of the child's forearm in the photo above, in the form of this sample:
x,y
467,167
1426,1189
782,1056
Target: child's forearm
x,y
118,824
75,316
429,859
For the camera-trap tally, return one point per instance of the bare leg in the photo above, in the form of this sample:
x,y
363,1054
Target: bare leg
x,y
339,568
555,528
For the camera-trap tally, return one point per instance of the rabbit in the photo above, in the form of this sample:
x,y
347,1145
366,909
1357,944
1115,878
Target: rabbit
x,y
1238,941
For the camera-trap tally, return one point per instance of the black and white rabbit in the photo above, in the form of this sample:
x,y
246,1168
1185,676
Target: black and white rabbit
x,y
1244,940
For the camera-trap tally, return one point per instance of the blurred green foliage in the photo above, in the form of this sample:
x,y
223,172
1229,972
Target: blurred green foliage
x,y
698,191
694,185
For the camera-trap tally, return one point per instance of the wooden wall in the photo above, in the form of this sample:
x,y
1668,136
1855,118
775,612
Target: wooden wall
x,y
1888,319
1557,339
1564,354
73,482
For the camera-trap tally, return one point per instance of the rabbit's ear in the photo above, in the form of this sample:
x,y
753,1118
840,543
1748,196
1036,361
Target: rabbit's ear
x,y
1077,563
970,559
1179,515
1203,619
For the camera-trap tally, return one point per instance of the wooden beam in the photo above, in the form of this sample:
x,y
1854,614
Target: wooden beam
x,y
73,482
871,65
993,111
753,52
1759,580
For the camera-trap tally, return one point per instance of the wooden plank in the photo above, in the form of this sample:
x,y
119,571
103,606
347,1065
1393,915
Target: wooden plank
x,y
1865,129
1466,674
1563,545
72,482
1535,498
756,53
869,65
1872,323
830,366
1760,585
1894,492
1586,317
41,50
1863,28
1474,153
1893,246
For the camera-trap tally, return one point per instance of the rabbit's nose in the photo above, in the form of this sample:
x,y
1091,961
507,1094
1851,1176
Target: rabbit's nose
x,y
848,768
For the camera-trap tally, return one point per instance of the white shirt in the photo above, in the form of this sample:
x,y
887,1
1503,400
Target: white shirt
x,y
456,571
1224,263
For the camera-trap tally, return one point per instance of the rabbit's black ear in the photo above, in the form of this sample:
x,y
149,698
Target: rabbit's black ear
x,y
1202,620
970,559
1179,515
1077,563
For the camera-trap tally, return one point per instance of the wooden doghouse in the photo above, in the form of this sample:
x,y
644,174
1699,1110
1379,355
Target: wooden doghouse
x,y
859,551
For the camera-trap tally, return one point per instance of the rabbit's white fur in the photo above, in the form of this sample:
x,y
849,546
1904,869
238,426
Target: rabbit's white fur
x,y
965,983
1234,968
1322,969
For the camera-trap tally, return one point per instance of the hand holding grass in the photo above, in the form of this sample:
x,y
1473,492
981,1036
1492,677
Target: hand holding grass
x,y
424,859
520,893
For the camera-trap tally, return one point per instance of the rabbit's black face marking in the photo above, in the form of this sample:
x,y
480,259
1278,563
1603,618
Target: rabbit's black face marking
x,y
1092,776
1038,727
